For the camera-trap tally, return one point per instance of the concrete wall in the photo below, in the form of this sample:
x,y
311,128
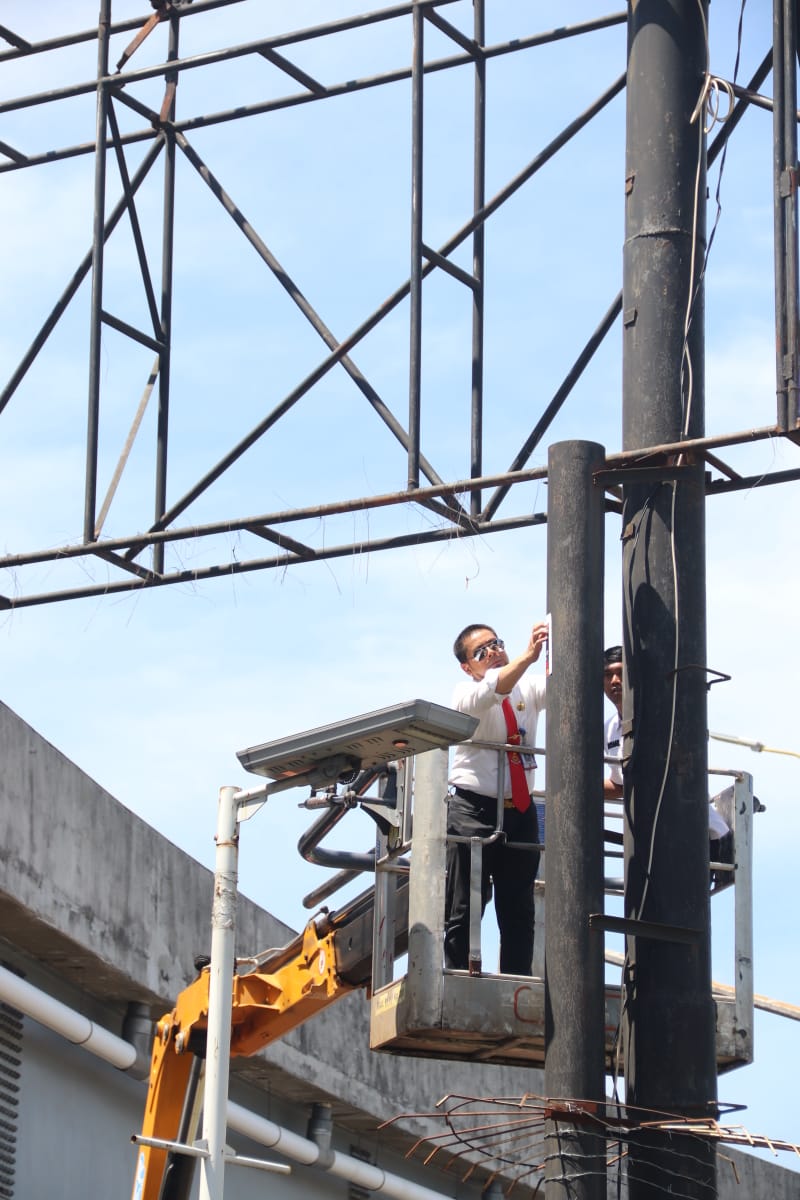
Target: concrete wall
x,y
90,884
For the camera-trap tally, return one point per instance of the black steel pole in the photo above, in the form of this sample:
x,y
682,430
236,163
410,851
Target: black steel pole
x,y
167,274
785,175
478,260
790,159
779,232
98,247
669,1022
574,988
415,316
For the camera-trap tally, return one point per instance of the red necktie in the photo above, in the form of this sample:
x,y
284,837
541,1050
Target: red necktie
x,y
519,783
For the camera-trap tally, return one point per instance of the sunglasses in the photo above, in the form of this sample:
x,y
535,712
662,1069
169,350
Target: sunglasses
x,y
495,644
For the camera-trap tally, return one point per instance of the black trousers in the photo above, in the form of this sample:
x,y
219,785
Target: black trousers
x,y
511,873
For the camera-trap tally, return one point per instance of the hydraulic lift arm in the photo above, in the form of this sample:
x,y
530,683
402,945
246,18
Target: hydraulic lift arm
x,y
294,984
331,957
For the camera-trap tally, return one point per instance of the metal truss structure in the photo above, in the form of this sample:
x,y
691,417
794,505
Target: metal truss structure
x,y
141,125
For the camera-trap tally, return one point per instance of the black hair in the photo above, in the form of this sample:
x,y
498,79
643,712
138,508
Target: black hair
x,y
458,644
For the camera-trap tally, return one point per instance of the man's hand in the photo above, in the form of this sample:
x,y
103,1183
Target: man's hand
x,y
539,635
516,667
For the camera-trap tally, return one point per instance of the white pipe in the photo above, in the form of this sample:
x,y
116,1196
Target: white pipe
x,y
274,1137
121,1054
70,1024
220,988
303,1150
377,1180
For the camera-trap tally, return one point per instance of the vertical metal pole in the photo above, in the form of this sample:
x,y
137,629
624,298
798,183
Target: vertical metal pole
x,y
785,181
384,923
387,882
426,891
220,994
98,247
743,911
669,1020
791,169
167,248
415,356
574,954
478,255
778,105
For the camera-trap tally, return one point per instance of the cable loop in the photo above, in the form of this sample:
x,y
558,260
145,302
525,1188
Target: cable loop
x,y
709,100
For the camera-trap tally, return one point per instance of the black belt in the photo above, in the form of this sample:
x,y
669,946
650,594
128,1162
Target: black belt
x,y
466,795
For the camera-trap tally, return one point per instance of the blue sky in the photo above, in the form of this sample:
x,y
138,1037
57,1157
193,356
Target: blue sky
x,y
153,693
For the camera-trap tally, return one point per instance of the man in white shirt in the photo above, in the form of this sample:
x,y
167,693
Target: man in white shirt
x,y
612,784
493,679
612,686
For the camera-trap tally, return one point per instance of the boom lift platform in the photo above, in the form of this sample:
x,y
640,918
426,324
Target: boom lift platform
x,y
236,1009
474,1015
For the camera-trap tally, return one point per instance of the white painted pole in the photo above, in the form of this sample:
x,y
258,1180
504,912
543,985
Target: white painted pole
x,y
220,993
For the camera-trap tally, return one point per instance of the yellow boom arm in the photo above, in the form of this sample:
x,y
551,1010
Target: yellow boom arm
x,y
266,1004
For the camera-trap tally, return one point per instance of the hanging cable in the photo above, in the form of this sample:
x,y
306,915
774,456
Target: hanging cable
x,y
708,102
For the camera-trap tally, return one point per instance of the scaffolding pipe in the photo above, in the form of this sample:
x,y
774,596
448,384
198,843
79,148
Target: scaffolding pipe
x,y
478,258
98,249
167,274
416,273
784,115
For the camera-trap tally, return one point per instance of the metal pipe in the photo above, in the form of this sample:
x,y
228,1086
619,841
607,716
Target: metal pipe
x,y
574,1063
312,900
138,239
347,87
416,276
89,35
789,50
283,560
220,991
779,219
478,257
746,483
258,47
98,246
743,910
308,845
72,1025
335,508
165,326
316,511
125,454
